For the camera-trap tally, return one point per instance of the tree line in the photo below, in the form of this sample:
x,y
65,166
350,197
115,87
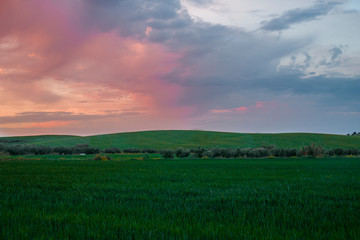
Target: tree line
x,y
22,149
354,134
199,152
266,151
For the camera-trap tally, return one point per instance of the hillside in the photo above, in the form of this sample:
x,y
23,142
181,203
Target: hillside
x,y
188,139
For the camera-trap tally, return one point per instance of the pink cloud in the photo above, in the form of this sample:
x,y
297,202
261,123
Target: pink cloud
x,y
50,124
259,105
148,31
221,111
241,109
51,61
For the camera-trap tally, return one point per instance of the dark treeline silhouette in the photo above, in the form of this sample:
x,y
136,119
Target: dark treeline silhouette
x,y
5,140
200,152
354,134
42,150
266,151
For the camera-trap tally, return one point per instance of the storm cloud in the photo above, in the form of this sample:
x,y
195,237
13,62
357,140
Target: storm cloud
x,y
90,60
298,15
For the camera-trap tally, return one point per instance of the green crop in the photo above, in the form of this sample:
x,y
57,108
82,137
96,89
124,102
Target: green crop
x,y
180,199
173,139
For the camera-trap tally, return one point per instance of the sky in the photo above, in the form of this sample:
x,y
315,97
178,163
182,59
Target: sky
x,y
86,67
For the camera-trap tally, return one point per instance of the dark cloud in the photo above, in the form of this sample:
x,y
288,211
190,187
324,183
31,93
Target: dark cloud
x,y
294,82
230,66
227,63
298,15
335,53
307,60
335,57
215,66
131,17
220,59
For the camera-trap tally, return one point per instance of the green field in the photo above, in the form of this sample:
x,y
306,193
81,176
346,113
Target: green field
x,y
299,198
191,139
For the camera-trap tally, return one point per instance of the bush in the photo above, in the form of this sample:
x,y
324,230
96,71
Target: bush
x,y
6,140
339,152
182,153
92,150
17,150
353,152
149,150
208,153
167,154
239,153
131,150
199,152
64,150
85,148
264,152
99,157
312,150
41,150
112,150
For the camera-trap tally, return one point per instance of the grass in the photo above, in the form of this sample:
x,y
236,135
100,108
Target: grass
x,y
190,139
180,199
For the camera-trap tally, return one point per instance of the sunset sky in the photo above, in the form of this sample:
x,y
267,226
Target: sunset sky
x,y
88,67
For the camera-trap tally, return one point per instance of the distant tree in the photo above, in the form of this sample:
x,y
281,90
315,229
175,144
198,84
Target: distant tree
x,y
312,150
131,150
167,153
199,152
112,150
64,150
339,151
182,153
148,150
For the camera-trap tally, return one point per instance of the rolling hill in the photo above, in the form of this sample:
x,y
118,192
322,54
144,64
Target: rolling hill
x,y
189,139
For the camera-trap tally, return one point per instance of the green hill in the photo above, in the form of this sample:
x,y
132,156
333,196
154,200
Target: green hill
x,y
189,139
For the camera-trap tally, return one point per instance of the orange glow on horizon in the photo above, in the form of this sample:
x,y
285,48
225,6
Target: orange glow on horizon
x,y
49,124
109,76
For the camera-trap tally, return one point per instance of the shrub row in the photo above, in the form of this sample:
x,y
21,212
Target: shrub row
x,y
310,151
17,149
354,134
6,140
266,151
137,150
41,150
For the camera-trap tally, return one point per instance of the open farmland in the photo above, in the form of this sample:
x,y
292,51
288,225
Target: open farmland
x,y
298,198
193,139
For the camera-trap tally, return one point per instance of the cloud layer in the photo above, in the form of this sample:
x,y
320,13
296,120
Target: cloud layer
x,y
298,15
71,66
